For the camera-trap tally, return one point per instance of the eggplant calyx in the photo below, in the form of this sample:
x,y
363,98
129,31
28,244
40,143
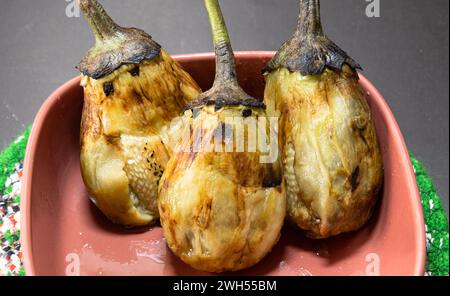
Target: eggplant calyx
x,y
309,50
114,45
222,95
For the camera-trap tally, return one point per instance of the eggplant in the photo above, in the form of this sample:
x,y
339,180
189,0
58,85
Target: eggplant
x,y
222,209
332,163
132,91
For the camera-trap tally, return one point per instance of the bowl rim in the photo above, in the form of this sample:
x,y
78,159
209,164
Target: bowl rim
x,y
25,205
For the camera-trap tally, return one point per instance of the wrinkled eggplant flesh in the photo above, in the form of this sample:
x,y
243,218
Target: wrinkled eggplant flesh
x,y
332,161
122,151
217,212
331,156
132,91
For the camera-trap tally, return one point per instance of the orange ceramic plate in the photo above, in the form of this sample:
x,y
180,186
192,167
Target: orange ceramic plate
x,y
63,232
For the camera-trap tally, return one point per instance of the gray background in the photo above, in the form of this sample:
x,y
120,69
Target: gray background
x,y
404,53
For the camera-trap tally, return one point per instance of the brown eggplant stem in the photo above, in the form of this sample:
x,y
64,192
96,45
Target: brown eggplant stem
x,y
309,51
114,45
101,23
225,61
309,23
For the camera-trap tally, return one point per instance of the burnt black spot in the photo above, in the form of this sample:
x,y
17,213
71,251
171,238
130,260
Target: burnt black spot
x,y
108,88
225,100
270,182
246,113
218,104
135,71
354,178
251,102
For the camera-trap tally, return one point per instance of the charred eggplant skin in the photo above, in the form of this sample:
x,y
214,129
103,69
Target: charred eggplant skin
x,y
309,51
115,45
332,163
132,91
221,211
225,92
331,158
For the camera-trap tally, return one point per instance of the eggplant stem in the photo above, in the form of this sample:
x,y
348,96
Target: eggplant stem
x,y
225,61
103,26
309,23
226,90
309,51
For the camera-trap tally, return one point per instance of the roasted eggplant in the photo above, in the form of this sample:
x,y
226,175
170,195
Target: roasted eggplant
x,y
331,157
132,91
221,209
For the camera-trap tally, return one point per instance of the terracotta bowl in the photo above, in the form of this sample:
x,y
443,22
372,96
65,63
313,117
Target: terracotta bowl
x,y
63,233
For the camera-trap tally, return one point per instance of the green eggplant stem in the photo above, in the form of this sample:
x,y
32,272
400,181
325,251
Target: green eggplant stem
x,y
226,90
225,62
101,23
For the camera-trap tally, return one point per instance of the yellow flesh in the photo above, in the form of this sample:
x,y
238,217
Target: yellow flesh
x,y
122,152
327,138
215,214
